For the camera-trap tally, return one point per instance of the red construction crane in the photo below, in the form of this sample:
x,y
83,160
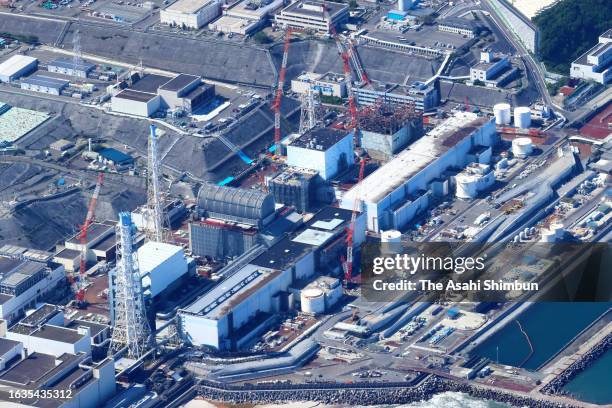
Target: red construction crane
x,y
80,296
348,262
279,94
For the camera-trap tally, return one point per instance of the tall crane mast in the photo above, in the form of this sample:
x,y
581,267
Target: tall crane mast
x,y
348,263
80,295
279,94
155,225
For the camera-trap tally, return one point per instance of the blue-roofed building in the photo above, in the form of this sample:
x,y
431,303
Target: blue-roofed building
x,y
397,15
44,84
68,67
115,157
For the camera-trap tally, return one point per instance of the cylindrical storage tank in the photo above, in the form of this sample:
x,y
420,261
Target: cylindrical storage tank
x,y
313,301
467,187
522,117
547,236
522,147
502,113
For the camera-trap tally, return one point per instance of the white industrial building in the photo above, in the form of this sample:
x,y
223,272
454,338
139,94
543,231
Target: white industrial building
x,y
242,306
245,17
16,67
136,103
68,67
327,151
161,266
596,63
44,84
488,68
312,15
459,26
474,179
328,84
191,13
400,189
25,282
43,331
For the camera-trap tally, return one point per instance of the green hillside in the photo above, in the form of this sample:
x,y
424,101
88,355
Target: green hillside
x,y
570,28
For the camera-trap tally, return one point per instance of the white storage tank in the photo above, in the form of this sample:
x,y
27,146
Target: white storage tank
x,y
467,186
313,300
522,147
522,117
502,113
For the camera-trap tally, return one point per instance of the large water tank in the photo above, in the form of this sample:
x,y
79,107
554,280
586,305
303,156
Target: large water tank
x,y
467,186
522,117
502,113
313,300
522,147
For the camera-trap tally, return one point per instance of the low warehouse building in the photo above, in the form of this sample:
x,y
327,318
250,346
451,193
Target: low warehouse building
x,y
137,103
16,67
44,84
313,15
68,67
191,13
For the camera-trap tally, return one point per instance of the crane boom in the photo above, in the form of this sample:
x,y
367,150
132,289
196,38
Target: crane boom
x,y
80,296
279,93
348,263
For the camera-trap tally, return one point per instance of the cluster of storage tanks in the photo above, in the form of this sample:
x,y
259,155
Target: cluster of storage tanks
x,y
503,116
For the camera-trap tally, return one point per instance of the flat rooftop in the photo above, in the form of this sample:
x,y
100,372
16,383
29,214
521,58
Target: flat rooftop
x,y
150,83
315,8
179,82
137,96
7,345
594,51
282,255
152,254
68,253
69,64
416,157
314,237
49,332
95,231
319,138
49,82
231,291
189,6
329,218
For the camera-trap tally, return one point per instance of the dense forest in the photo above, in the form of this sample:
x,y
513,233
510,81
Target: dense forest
x,y
570,28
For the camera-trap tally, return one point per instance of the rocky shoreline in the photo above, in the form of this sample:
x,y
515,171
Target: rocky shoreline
x,y
365,394
555,387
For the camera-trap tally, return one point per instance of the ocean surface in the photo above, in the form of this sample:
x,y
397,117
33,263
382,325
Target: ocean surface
x,y
451,400
550,326
593,384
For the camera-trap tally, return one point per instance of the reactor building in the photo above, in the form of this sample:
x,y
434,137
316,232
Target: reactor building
x,y
229,220
399,190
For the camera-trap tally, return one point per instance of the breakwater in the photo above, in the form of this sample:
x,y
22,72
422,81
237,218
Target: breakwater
x,y
557,384
364,393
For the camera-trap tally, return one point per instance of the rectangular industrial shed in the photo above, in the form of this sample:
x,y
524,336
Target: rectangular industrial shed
x,y
136,102
69,67
16,67
44,84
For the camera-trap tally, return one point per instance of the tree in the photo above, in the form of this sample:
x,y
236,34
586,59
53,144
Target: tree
x,y
261,38
570,28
